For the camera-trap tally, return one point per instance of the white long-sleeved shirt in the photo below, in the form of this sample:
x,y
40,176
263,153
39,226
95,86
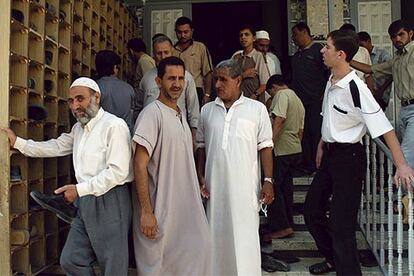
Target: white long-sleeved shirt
x,y
101,153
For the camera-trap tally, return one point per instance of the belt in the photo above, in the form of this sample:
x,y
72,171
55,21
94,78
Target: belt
x,y
337,146
407,102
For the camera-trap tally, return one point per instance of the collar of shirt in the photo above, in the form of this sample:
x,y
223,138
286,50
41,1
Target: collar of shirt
x,y
240,100
342,83
249,54
405,49
307,47
91,124
176,46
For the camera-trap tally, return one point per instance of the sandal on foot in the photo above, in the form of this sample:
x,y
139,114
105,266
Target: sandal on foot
x,y
321,268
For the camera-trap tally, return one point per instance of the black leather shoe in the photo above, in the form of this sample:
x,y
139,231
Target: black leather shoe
x,y
56,204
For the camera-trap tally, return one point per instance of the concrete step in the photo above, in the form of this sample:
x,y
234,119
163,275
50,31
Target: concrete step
x,y
303,180
302,268
299,197
303,241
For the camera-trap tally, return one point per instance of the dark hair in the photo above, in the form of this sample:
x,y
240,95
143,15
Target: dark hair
x,y
345,40
348,26
105,62
137,45
364,36
277,80
396,26
160,39
248,27
169,61
156,36
183,20
302,26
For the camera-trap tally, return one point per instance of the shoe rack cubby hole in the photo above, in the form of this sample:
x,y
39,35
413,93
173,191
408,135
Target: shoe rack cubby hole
x,y
37,17
51,53
19,128
20,260
21,9
19,160
36,79
86,71
19,204
19,38
20,223
65,27
51,222
64,169
50,82
63,85
51,105
77,49
87,14
36,49
35,172
18,103
49,167
63,116
37,255
64,60
51,248
35,131
18,70
37,224
52,19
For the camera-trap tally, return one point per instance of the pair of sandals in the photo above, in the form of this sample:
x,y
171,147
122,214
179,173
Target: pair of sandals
x,y
321,268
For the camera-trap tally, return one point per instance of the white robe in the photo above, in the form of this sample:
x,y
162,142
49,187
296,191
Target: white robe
x,y
232,140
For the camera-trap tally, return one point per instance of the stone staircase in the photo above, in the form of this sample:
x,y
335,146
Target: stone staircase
x,y
302,244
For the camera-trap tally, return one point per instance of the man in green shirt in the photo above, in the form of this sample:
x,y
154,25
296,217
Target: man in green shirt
x,y
401,69
288,116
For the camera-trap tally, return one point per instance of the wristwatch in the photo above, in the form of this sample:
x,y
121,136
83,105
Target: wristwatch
x,y
268,179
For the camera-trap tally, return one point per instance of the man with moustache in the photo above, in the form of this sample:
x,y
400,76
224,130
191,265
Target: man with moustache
x,y
149,91
234,140
196,57
401,69
101,148
171,235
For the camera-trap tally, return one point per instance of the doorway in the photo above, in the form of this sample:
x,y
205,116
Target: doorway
x,y
217,25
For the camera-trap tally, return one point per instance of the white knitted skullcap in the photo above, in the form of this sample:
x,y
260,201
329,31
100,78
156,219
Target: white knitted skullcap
x,y
86,82
262,35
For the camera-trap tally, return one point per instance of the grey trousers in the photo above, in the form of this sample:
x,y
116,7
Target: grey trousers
x,y
99,232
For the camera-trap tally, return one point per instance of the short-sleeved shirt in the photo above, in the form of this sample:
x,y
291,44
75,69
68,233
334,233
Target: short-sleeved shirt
x,y
197,61
309,74
362,56
401,68
145,63
379,55
286,104
117,97
343,121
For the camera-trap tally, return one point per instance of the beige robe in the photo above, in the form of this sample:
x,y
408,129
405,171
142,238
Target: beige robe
x,y
182,245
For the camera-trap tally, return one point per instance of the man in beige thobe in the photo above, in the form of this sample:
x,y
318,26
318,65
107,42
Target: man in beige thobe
x,y
171,235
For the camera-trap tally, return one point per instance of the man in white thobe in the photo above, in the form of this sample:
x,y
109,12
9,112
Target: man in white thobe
x,y
233,132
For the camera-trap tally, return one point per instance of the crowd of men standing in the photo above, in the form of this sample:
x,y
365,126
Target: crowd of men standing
x,y
153,151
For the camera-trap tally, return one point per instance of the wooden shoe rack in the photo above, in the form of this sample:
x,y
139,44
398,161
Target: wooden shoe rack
x,y
51,43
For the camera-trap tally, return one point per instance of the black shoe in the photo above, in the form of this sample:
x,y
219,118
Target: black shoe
x,y
270,264
321,268
367,259
56,204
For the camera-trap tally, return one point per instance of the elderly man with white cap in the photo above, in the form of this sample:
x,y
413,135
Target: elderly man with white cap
x,y
101,147
262,44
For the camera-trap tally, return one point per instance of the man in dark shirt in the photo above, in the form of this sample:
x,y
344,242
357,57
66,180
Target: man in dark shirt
x,y
309,76
117,96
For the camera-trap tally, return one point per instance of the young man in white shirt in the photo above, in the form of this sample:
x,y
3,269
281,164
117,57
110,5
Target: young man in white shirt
x,y
348,110
101,147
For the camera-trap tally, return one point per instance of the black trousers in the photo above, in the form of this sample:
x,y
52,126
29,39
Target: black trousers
x,y
280,211
311,134
341,175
